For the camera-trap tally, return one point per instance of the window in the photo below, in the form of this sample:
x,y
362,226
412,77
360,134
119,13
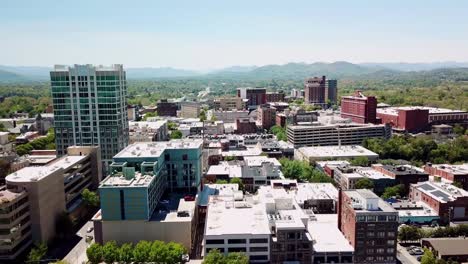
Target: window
x,y
371,218
391,218
220,249
237,241
391,242
360,218
258,240
258,249
370,251
380,234
382,218
390,250
167,157
380,250
291,236
391,234
259,257
291,248
214,241
185,157
370,234
237,249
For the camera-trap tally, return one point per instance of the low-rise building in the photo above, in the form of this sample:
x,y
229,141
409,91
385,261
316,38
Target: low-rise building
x,y
265,117
190,109
369,224
165,108
148,131
348,176
448,248
245,126
449,172
450,202
415,212
415,116
229,103
403,174
312,154
227,116
275,96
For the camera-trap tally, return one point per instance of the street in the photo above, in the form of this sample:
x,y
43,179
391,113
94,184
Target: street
x,y
78,254
404,257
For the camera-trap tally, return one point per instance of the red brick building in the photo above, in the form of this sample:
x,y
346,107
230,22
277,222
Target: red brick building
x,y
165,108
403,174
266,117
275,96
256,96
369,224
245,126
450,202
314,90
359,108
453,173
411,120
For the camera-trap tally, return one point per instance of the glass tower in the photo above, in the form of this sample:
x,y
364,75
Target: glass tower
x,y
90,108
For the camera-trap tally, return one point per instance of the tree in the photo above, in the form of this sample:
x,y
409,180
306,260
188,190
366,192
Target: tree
x,y
221,182
457,184
202,115
364,183
37,253
279,132
239,182
176,134
126,253
360,161
141,251
230,158
428,257
171,126
237,258
110,252
94,253
175,252
409,233
91,199
149,115
159,252
214,257
394,191
292,169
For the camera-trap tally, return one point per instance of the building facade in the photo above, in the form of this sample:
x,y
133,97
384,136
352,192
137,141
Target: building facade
x,y
90,108
255,96
190,109
275,96
165,108
359,108
266,117
331,91
228,103
449,172
314,90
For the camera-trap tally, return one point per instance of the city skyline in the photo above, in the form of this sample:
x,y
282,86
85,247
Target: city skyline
x,y
215,35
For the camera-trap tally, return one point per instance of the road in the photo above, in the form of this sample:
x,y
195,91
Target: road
x,y
78,254
404,257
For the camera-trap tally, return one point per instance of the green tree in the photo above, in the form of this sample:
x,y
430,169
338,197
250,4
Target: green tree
x,y
428,257
2,128
237,258
110,252
126,253
230,158
457,184
214,257
364,183
171,126
202,115
91,199
176,134
360,161
394,191
37,253
292,169
94,253
238,181
175,252
149,115
159,252
24,149
221,182
141,251
409,233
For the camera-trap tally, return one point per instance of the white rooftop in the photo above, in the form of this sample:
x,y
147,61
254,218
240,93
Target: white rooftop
x,y
432,110
240,153
442,192
328,238
315,191
362,198
154,125
257,161
460,169
154,149
337,152
140,180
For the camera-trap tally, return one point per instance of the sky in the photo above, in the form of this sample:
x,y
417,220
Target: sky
x,y
206,35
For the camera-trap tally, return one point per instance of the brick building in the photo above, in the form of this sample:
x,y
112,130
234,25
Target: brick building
x,y
314,90
403,174
359,108
450,202
255,96
405,119
369,224
452,173
266,117
275,96
165,108
245,126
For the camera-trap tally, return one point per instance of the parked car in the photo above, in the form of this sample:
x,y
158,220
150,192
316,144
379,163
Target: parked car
x,y
90,229
416,251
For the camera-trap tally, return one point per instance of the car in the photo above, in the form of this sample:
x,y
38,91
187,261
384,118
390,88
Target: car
x,y
185,258
90,229
416,251
189,198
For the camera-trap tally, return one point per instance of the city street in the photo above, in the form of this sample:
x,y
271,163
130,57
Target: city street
x,y
404,257
78,254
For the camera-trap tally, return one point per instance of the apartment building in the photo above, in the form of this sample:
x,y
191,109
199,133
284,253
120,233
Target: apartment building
x,y
369,224
34,197
266,117
143,131
90,108
274,96
451,173
190,109
314,90
335,134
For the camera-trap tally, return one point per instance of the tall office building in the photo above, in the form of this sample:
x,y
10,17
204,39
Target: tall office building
x,y
255,96
90,108
331,91
360,108
314,89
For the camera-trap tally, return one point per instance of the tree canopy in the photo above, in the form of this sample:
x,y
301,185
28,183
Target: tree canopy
x,y
216,257
364,183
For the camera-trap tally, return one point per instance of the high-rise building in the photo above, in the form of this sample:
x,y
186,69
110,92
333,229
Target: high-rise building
x,y
369,224
359,108
256,96
331,91
90,108
314,90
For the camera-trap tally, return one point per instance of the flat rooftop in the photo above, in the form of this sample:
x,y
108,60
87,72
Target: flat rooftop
x,y
461,169
404,169
146,124
242,153
155,149
7,196
140,180
316,191
414,209
361,196
337,151
328,238
216,189
441,192
371,173
432,110
257,161
226,169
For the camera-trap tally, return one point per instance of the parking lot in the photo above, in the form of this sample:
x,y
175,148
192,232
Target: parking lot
x,y
409,254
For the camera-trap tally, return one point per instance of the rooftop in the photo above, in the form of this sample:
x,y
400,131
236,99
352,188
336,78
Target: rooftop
x,y
155,149
242,153
7,196
337,151
461,169
143,125
449,246
328,238
315,191
442,192
216,189
432,110
257,161
139,180
365,201
403,169
114,67
414,209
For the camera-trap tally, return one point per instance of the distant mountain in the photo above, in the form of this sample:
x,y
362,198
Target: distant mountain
x,y
403,66
6,76
149,73
29,72
236,69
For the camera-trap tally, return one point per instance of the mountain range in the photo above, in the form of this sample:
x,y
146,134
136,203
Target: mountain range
x,y
339,69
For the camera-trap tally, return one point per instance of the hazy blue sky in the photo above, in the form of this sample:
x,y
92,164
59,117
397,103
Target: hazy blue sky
x,y
197,34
